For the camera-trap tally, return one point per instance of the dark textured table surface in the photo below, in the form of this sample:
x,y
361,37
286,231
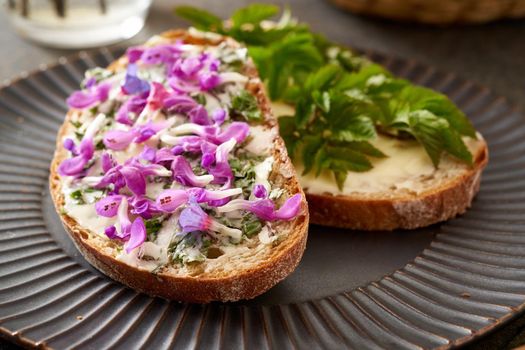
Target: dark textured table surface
x,y
492,54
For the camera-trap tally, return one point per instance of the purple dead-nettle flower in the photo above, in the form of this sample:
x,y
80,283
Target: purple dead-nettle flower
x,y
169,201
259,191
69,144
90,96
135,179
208,150
134,53
132,83
120,139
132,174
199,115
193,218
183,144
111,232
236,130
187,68
158,94
182,173
107,162
144,207
90,82
148,154
219,116
182,86
265,208
137,235
135,104
164,154
222,171
75,166
201,195
209,80
108,206
165,54
186,105
133,233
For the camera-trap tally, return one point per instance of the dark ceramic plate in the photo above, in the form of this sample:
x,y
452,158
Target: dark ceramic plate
x,y
436,287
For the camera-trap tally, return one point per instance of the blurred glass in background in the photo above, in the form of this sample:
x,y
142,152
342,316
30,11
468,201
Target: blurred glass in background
x,y
77,23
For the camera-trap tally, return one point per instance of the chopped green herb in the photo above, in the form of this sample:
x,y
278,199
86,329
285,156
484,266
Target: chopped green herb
x,y
77,196
200,98
100,145
251,225
76,124
246,105
153,227
79,135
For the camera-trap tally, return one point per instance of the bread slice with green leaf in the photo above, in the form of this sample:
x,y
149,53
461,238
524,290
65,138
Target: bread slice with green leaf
x,y
375,152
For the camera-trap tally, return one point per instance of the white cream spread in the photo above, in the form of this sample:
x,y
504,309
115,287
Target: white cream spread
x,y
169,242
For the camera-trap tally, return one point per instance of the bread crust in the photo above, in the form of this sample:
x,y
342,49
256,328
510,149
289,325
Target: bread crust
x,y
243,284
403,211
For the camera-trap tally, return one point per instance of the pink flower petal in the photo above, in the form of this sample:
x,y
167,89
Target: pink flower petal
x,y
137,235
108,206
170,200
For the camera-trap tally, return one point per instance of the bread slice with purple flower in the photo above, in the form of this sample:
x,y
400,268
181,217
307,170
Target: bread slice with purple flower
x,y
170,175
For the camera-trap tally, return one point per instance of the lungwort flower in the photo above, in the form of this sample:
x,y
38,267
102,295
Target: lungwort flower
x,y
265,208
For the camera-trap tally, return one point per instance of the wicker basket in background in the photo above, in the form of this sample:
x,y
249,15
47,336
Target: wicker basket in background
x,y
440,12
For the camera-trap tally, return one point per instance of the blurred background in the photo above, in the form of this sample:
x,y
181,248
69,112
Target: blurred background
x,y
491,53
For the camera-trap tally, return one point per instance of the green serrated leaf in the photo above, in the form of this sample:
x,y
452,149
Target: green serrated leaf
x,y
288,131
304,111
323,78
199,18
422,98
311,145
345,158
454,145
427,129
340,178
322,100
253,13
360,128
366,148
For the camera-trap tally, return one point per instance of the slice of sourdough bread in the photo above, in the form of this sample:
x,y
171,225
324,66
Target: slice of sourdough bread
x,y
242,271
402,191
